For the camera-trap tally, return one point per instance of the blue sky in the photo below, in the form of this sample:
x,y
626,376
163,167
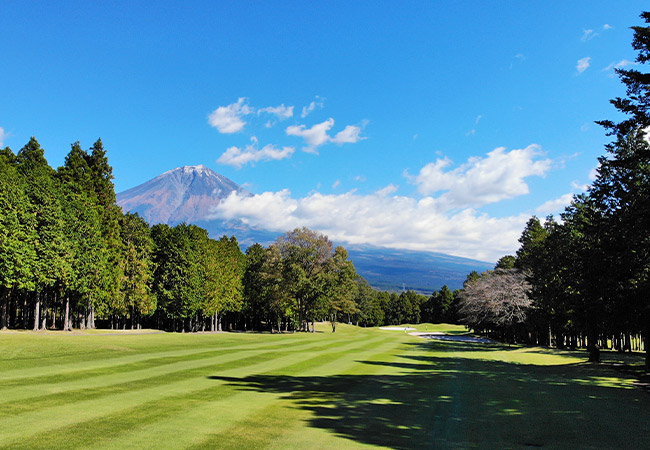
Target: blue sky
x,y
440,125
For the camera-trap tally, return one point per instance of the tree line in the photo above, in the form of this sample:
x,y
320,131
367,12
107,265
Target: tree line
x,y
583,280
69,257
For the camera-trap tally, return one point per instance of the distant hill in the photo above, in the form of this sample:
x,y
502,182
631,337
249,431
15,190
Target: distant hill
x,y
187,194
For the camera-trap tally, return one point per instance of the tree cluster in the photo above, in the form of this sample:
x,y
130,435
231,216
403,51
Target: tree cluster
x,y
589,272
70,258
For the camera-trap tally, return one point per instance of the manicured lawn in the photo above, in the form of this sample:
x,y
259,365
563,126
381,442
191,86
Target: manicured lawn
x,y
354,388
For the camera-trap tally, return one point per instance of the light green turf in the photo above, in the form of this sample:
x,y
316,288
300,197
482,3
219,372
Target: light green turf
x,y
353,388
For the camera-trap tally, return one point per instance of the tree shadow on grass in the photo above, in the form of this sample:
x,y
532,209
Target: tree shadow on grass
x,y
438,402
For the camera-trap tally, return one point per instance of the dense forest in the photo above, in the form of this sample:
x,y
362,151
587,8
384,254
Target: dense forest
x,y
69,257
583,280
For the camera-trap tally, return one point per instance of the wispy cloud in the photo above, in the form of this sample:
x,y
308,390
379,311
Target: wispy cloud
x,y
388,190
583,64
239,157
228,119
588,35
3,135
607,27
281,112
318,103
619,65
318,135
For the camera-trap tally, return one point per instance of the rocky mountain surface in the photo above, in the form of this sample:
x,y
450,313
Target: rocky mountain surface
x,y
184,194
187,194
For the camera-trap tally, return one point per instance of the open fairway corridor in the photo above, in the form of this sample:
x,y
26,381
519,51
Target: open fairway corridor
x,y
353,388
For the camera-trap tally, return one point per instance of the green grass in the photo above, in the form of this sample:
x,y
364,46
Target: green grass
x,y
353,388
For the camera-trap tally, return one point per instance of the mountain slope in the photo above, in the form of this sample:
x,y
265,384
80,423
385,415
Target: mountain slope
x,y
187,194
184,194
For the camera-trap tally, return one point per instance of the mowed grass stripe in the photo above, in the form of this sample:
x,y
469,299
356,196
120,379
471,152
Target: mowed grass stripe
x,y
45,370
19,427
192,429
129,372
122,382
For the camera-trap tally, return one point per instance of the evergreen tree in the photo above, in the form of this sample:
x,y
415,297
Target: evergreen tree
x,y
137,267
17,234
51,264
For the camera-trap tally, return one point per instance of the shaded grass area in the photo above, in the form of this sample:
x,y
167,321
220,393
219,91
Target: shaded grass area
x,y
354,388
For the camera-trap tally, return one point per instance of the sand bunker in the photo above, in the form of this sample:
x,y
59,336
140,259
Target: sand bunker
x,y
451,337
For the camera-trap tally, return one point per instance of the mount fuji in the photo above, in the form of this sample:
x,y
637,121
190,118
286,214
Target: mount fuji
x,y
190,193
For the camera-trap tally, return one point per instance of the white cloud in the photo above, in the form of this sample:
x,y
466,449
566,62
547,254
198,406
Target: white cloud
x,y
360,178
318,103
554,206
336,184
228,119
3,135
583,64
388,190
588,35
281,112
377,219
619,65
579,186
314,136
238,157
498,176
349,135
607,27
478,119
317,135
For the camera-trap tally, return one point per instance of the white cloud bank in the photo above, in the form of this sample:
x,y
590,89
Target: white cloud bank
x,y
446,223
380,219
482,180
238,157
317,135
555,205
3,136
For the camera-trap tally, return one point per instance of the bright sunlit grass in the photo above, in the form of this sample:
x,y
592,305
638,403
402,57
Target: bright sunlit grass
x,y
353,388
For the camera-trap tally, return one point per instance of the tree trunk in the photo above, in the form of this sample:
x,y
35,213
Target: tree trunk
x,y
37,312
66,318
44,314
4,297
218,319
592,347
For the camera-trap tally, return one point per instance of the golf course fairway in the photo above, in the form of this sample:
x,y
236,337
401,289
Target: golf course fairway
x,y
354,388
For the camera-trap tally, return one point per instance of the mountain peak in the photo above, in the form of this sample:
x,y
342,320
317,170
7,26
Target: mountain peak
x,y
200,169
183,194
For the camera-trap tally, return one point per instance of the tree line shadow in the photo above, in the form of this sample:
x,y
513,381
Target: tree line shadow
x,y
441,402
